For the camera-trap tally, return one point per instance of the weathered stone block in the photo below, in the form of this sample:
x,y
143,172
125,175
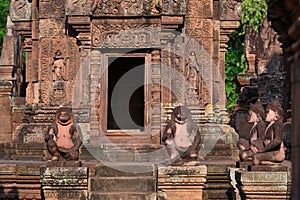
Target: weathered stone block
x,y
261,184
64,182
52,28
181,182
52,9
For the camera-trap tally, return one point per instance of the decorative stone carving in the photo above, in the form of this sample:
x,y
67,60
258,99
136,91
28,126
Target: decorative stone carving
x,y
20,10
51,9
58,71
59,78
194,80
61,134
177,183
79,7
266,76
52,27
182,137
199,9
64,182
172,6
273,150
257,133
125,35
127,8
231,9
262,184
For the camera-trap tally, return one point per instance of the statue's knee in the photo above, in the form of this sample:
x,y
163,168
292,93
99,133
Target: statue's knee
x,y
73,155
51,143
244,155
255,159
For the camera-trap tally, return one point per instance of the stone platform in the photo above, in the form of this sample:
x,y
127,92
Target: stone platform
x,y
113,180
261,182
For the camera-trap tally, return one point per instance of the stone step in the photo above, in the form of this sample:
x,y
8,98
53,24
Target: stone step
x,y
125,170
123,184
124,152
122,195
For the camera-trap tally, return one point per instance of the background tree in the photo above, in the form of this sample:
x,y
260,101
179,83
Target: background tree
x,y
4,8
253,12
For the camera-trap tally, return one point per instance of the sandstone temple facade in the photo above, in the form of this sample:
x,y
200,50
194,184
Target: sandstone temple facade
x,y
73,49
77,53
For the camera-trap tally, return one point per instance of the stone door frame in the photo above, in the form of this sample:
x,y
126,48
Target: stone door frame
x,y
104,91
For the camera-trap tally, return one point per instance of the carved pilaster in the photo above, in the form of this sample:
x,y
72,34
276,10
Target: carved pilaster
x,y
155,95
59,62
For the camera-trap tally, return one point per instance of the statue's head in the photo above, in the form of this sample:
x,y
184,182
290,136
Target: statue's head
x,y
256,112
274,110
181,115
64,116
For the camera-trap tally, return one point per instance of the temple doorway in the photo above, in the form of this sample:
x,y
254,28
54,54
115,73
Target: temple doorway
x,y
126,94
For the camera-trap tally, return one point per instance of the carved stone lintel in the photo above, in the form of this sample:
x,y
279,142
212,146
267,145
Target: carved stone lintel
x,y
126,35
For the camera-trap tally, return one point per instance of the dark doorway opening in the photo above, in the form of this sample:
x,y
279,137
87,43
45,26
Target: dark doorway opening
x,y
126,93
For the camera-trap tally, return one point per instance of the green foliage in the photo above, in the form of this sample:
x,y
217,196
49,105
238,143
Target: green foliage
x,y
4,8
235,64
253,12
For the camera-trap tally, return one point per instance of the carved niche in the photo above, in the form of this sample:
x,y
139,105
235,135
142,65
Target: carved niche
x,y
186,81
59,63
20,10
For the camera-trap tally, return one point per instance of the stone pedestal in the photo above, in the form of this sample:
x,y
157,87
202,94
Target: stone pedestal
x,y
260,184
181,182
64,183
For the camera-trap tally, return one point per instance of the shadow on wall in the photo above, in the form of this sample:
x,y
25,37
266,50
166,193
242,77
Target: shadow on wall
x,y
12,194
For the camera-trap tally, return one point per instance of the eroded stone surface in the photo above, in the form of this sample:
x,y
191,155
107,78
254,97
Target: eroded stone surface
x,y
181,182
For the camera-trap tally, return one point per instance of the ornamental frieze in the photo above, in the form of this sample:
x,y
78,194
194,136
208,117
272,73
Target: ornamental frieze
x,y
125,35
